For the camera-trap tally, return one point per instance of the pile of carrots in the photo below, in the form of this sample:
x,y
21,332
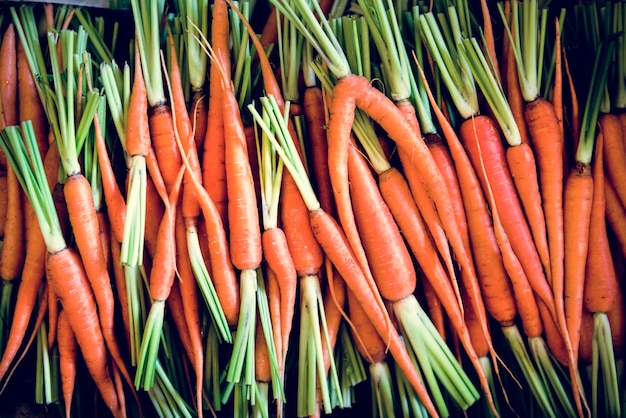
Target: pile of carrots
x,y
242,208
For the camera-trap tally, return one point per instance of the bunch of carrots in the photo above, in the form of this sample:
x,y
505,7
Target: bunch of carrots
x,y
244,208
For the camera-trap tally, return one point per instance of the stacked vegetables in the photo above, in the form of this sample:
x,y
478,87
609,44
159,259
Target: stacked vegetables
x,y
182,234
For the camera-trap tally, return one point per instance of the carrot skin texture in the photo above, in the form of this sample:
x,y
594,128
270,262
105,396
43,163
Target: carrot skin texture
x,y
8,78
3,202
577,201
369,344
68,279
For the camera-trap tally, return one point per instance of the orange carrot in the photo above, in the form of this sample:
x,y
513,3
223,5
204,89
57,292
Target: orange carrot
x,y
213,167
614,152
8,77
3,201
314,114
511,214
601,284
67,360
30,107
435,309
577,202
12,255
368,342
67,276
615,214
83,218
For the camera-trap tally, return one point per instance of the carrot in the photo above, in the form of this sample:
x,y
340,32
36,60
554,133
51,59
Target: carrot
x,y
13,252
3,201
547,139
67,360
30,107
121,291
601,288
614,152
162,275
435,309
334,302
366,338
615,215
115,204
392,266
496,170
275,306
83,218
315,117
213,166
189,295
8,77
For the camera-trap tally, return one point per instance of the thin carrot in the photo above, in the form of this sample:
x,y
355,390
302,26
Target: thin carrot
x,y
3,201
435,309
213,167
67,360
8,77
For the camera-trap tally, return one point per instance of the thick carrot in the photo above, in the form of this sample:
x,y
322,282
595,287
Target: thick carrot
x,y
547,139
8,77
492,277
601,284
577,203
614,152
67,360
505,197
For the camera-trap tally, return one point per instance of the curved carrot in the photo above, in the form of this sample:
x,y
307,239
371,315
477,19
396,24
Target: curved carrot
x,y
615,214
